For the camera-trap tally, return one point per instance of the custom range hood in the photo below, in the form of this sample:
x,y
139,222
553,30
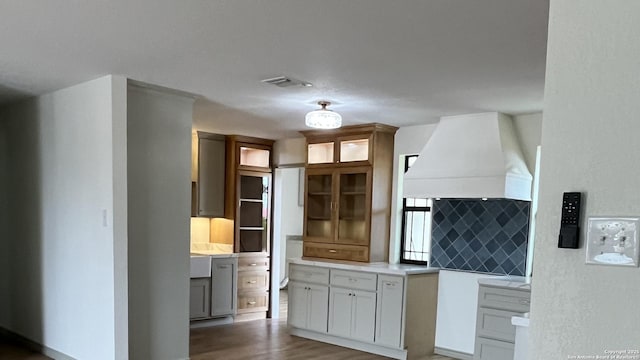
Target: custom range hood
x,y
470,156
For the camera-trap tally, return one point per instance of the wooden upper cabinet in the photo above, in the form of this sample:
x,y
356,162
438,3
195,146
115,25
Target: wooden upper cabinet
x,y
248,195
347,146
348,192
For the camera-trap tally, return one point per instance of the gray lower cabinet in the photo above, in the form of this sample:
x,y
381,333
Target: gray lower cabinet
x,y
223,286
495,335
199,298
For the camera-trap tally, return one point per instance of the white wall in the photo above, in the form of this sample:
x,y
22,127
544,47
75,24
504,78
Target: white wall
x,y
409,140
528,129
61,250
290,215
589,144
457,310
289,151
159,203
4,231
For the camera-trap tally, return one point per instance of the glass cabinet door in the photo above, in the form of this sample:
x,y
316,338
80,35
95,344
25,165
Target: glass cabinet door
x,y
354,150
254,157
353,205
320,153
253,212
319,206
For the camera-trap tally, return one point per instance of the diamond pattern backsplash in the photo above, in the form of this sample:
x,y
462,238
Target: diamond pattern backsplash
x,y
484,236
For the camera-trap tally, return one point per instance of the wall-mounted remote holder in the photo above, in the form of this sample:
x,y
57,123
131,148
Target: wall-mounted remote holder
x,y
569,237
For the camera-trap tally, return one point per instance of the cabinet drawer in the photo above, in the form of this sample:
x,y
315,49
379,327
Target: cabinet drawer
x,y
496,324
253,263
309,274
504,299
253,280
252,302
354,280
336,252
487,349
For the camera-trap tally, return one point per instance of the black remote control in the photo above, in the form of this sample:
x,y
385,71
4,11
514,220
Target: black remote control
x,y
569,237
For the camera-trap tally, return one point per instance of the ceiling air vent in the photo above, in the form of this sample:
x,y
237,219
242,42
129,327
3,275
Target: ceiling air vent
x,y
282,81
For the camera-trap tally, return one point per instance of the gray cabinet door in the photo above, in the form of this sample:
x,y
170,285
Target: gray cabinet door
x,y
317,308
223,286
364,315
390,309
298,310
487,349
211,174
199,300
340,312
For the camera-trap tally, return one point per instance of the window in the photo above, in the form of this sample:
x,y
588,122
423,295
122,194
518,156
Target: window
x,y
416,226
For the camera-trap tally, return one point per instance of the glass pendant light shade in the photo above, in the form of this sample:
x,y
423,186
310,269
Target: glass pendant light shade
x,y
323,118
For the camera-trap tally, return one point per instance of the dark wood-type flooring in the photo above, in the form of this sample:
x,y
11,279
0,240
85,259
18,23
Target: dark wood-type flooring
x,y
255,340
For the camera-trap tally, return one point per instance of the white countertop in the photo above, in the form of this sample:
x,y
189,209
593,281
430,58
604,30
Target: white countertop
x,y
511,282
520,320
216,255
380,268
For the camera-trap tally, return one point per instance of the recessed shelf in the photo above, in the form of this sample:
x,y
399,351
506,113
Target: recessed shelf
x,y
322,218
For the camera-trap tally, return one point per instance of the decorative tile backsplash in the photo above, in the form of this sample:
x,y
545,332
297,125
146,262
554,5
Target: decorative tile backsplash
x,y
476,235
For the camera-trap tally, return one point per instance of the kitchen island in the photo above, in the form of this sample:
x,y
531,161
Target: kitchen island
x,y
381,308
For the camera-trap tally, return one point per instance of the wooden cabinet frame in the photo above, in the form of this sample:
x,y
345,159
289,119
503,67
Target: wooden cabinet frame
x,y
376,207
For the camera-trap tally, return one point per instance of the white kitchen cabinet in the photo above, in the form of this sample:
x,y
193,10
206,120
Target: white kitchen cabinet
x,y
389,310
308,298
352,313
223,286
363,313
199,298
340,309
495,335
308,306
352,304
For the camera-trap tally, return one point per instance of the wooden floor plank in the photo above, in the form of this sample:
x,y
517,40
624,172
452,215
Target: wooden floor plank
x,y
267,339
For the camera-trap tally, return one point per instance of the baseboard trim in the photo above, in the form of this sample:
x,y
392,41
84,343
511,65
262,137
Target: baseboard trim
x,y
353,344
34,345
453,354
212,322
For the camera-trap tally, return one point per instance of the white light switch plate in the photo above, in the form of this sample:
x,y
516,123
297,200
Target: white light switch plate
x,y
613,241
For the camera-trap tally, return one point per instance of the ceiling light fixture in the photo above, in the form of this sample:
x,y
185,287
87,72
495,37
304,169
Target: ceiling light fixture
x,y
323,118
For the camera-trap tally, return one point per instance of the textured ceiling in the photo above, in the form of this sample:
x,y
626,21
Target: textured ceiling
x,y
399,62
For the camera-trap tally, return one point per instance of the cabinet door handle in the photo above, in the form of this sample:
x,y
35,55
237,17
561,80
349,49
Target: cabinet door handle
x,y
252,282
251,302
333,251
390,284
253,264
